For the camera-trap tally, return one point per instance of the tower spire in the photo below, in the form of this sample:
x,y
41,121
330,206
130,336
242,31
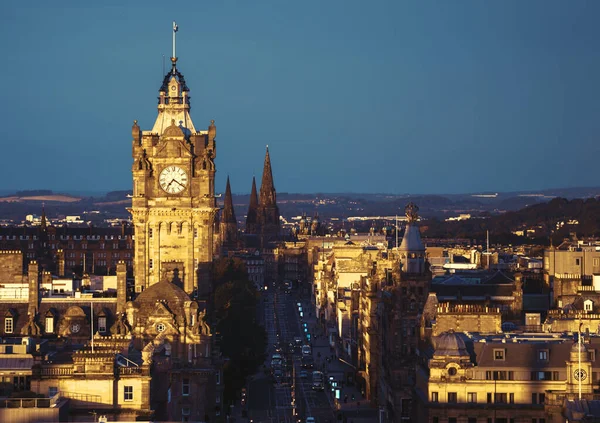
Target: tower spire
x,y
268,212
43,219
252,210
228,212
267,187
228,225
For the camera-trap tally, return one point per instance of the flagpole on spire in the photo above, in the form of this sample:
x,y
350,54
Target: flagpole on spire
x,y
174,57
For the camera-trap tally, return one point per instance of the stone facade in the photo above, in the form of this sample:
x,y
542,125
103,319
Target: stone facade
x,y
514,378
173,205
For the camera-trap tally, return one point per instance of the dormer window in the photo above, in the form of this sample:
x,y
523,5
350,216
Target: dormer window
x,y
49,324
499,354
101,324
8,325
588,305
543,355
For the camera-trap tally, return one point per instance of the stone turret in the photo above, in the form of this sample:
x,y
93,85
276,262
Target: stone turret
x,y
412,250
33,275
60,258
121,286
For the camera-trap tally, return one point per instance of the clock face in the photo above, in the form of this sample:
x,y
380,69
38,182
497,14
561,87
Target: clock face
x,y
173,87
580,374
173,179
75,327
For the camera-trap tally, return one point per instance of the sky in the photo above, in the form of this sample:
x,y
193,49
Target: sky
x,y
350,96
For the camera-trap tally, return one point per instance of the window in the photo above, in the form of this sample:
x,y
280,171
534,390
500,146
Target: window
x,y
452,371
534,398
471,396
541,398
49,324
436,420
52,390
185,387
434,397
452,397
217,375
592,355
499,354
500,398
472,420
543,355
151,263
511,398
489,397
8,325
451,419
541,375
588,305
577,261
555,376
102,324
150,233
128,393
160,327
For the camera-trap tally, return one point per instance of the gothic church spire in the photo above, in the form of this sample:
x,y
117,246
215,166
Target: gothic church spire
x,y
267,187
252,209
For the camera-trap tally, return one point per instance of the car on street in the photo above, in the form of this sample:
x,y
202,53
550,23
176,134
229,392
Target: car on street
x,y
310,420
306,350
318,381
308,362
303,374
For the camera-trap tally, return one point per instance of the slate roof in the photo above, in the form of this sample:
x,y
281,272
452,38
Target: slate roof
x,y
523,354
59,309
16,362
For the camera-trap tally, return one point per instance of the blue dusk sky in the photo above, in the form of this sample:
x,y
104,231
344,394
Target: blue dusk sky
x,y
351,96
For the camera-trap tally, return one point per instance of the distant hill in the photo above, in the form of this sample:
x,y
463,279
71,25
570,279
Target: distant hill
x,y
557,218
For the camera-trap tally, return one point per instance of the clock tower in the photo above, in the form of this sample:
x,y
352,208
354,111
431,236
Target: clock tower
x,y
579,370
173,205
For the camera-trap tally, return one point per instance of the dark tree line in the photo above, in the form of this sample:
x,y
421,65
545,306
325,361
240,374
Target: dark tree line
x,y
242,339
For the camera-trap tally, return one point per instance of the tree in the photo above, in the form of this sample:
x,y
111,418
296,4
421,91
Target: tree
x,y
242,340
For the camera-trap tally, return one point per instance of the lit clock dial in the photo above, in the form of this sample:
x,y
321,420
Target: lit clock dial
x,y
580,374
173,179
75,327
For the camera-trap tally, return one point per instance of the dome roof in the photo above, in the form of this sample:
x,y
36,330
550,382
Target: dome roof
x,y
578,347
450,344
174,297
411,241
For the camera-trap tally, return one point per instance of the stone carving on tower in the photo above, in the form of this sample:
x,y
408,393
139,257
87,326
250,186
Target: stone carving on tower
x,y
173,205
